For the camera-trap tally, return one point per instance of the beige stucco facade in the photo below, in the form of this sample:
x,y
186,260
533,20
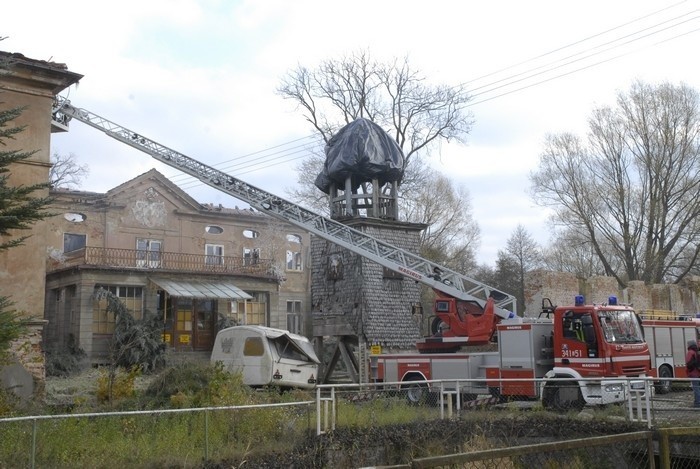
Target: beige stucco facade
x,y
30,84
143,236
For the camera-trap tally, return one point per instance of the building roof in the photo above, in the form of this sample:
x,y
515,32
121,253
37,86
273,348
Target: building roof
x,y
201,289
47,75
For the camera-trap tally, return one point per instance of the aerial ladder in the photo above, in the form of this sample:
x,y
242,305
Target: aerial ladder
x,y
492,304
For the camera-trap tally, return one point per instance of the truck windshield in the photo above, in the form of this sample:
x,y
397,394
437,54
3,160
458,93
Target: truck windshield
x,y
620,327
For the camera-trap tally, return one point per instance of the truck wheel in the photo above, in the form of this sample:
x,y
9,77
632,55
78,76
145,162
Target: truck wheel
x,y
663,386
436,326
496,392
416,393
563,396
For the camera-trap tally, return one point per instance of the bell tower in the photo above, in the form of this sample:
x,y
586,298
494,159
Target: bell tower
x,y
356,302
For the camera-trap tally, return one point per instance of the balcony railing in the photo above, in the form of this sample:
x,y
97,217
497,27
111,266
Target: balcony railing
x,y
162,261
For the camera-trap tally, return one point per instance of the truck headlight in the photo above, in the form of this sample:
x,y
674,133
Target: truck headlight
x,y
617,387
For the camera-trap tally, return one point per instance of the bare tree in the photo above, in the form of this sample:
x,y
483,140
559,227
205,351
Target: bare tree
x,y
392,95
65,172
525,255
305,192
452,234
572,252
417,115
634,190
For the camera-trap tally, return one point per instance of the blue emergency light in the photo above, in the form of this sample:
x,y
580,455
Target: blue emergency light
x,y
612,301
578,300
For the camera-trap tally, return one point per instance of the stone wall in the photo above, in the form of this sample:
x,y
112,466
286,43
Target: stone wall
x,y
28,351
26,372
562,287
558,287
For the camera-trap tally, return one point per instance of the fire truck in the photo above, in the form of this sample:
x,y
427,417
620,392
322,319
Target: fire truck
x,y
667,335
561,357
468,312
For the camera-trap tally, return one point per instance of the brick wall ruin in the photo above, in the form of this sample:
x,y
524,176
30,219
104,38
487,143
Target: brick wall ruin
x,y
562,287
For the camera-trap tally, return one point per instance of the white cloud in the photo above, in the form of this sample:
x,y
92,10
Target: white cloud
x,y
199,76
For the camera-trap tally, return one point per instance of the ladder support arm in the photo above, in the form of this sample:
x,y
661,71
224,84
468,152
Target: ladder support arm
x,y
404,262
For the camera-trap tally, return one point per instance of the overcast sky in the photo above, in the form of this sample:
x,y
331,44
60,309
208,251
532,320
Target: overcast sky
x,y
200,77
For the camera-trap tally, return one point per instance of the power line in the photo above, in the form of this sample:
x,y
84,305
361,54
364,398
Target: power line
x,y
580,41
280,157
584,58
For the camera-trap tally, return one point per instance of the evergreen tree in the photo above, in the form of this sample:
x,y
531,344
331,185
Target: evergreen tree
x,y
19,210
19,207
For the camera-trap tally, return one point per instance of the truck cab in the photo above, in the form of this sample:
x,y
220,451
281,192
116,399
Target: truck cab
x,y
595,341
600,340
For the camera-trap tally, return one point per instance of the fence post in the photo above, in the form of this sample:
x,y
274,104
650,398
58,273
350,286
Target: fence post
x,y
206,435
318,411
650,450
664,450
33,443
442,400
334,411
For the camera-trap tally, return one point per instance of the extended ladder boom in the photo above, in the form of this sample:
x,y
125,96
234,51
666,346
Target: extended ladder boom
x,y
422,270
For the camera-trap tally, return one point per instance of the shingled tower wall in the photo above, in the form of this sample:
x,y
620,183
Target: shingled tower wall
x,y
353,295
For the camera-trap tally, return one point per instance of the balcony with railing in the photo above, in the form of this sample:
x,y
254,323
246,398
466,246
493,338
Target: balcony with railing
x,y
134,259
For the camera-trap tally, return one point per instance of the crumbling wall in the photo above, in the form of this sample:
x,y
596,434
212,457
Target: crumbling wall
x,y
26,371
638,295
562,287
599,289
559,287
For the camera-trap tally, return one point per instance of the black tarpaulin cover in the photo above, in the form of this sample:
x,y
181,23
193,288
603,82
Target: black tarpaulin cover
x,y
362,151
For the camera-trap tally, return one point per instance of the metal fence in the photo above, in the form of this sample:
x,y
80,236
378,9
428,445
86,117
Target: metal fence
x,y
174,437
672,438
163,261
646,430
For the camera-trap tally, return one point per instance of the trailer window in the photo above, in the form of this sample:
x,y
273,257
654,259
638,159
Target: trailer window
x,y
287,349
253,347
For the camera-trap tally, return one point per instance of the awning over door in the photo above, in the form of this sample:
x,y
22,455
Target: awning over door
x,y
198,289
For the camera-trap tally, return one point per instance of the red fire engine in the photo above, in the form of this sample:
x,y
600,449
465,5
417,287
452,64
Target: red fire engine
x,y
562,357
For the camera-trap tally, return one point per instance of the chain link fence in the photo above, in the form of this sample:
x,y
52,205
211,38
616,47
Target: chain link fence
x,y
412,424
669,421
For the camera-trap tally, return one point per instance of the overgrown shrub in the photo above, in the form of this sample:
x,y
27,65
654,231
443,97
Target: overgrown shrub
x,y
9,402
11,327
224,322
116,384
197,385
66,361
134,342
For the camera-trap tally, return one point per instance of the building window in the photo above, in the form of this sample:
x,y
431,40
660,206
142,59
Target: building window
x,y
213,229
251,256
250,234
294,238
294,260
74,217
73,242
253,311
131,297
214,254
294,317
148,252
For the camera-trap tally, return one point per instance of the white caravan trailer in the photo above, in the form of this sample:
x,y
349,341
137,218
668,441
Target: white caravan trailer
x,y
267,356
